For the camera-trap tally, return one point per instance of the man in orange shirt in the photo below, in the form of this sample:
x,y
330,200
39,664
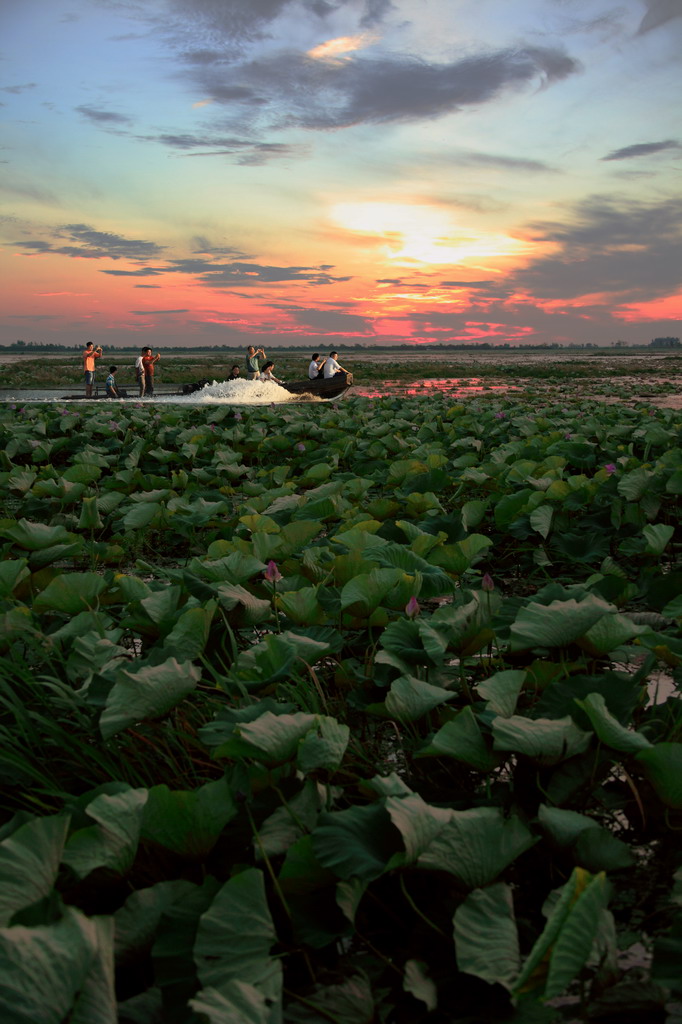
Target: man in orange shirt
x,y
90,353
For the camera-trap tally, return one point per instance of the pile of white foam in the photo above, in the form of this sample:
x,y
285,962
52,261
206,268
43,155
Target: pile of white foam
x,y
234,392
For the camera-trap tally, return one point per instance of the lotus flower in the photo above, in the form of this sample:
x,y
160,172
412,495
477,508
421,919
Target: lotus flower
x,y
237,414
499,415
412,608
487,584
300,447
272,573
609,468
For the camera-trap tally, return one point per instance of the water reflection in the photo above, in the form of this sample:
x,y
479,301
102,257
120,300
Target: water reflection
x,y
456,387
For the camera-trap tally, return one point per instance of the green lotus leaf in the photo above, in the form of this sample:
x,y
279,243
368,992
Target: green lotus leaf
x,y
457,558
112,842
608,728
662,765
59,971
291,822
29,863
486,939
657,537
564,826
71,593
37,536
137,921
323,746
302,607
562,949
410,698
502,690
610,632
557,624
143,514
188,822
418,824
419,985
189,635
271,739
226,951
12,572
245,608
356,843
477,845
148,691
237,1002
548,740
541,520
461,738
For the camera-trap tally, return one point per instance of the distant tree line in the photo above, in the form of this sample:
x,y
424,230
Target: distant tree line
x,y
665,343
40,346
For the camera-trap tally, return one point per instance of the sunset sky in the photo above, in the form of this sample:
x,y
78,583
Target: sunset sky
x,y
332,172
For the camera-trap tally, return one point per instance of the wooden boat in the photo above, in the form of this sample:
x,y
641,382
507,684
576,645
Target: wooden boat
x,y
327,389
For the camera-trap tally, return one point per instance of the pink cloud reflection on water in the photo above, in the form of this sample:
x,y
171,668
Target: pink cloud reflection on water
x,y
457,387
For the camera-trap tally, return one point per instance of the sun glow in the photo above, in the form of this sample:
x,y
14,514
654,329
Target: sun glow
x,y
334,48
415,233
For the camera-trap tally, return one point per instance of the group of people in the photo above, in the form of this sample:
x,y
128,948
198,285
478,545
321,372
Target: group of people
x,y
258,367
144,372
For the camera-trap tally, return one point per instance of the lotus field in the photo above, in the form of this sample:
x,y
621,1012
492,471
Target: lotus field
x,y
365,713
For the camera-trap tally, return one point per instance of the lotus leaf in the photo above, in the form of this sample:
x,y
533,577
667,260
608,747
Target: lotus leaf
x,y
502,690
29,862
146,692
409,698
188,822
112,842
557,624
356,843
547,740
486,940
662,765
608,728
461,738
50,969
237,1002
418,824
477,845
225,951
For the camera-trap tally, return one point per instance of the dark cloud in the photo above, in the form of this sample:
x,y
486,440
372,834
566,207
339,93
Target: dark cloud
x,y
103,117
498,160
642,149
330,322
625,247
466,284
658,13
15,90
298,90
247,152
87,243
142,272
238,274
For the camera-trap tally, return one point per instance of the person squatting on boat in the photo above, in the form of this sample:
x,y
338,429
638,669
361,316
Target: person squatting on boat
x,y
332,366
316,364
267,374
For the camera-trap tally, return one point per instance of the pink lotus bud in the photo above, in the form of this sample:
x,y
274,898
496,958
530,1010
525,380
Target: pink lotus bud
x,y
237,414
272,573
487,583
412,608
609,468
300,447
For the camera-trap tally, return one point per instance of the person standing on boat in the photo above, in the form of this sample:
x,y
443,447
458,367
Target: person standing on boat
x,y
90,354
332,366
252,363
139,372
316,364
149,361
